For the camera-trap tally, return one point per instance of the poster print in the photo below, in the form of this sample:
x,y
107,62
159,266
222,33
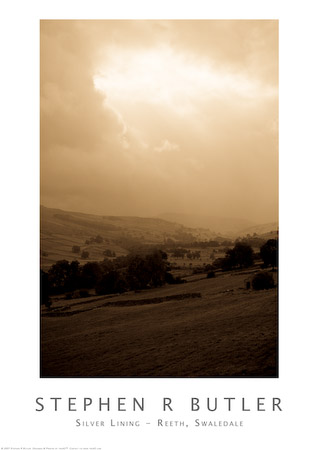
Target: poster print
x,y
159,198
142,134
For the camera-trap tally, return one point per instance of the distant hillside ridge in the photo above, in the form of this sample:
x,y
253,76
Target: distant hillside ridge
x,y
261,229
62,230
80,222
227,226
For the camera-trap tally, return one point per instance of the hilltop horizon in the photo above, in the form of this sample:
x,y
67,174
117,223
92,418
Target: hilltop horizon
x,y
226,226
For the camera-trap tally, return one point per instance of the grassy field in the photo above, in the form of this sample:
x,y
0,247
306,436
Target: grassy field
x,y
205,327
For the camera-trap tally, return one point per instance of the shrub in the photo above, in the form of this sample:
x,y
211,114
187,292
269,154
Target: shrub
x,y
263,280
170,279
83,293
76,249
211,274
197,270
179,280
85,254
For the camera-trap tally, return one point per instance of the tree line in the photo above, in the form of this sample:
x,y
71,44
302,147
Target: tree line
x,y
132,272
139,271
242,256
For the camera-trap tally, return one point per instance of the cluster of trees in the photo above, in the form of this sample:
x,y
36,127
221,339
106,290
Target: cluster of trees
x,y
109,254
242,256
197,244
95,240
183,236
210,243
182,252
253,241
179,252
130,272
238,257
194,255
269,253
85,254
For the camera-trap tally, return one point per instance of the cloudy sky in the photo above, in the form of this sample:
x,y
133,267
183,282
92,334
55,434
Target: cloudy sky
x,y
148,117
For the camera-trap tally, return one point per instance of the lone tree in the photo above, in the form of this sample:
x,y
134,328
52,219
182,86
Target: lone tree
x,y
269,253
76,249
99,239
58,276
240,256
85,254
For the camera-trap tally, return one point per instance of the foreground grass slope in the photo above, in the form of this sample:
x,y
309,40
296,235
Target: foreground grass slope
x,y
226,331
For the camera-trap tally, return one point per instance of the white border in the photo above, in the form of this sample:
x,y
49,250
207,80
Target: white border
x,y
21,425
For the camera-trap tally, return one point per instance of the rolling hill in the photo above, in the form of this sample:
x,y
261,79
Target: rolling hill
x,y
222,225
61,230
225,226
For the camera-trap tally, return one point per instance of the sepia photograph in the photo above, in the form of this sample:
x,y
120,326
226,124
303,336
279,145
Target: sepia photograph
x,y
159,198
